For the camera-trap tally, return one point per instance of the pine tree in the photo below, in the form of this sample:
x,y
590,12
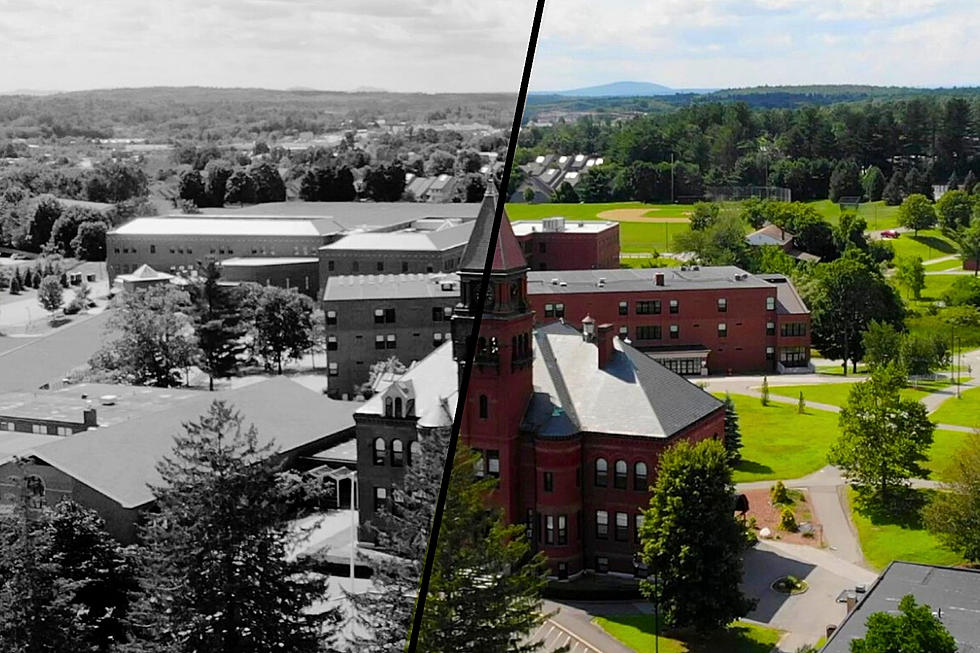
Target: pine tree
x,y
216,574
692,541
969,182
385,611
894,190
485,589
218,323
733,434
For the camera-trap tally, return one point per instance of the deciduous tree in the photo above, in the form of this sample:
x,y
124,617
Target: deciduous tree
x,y
952,514
283,324
50,294
914,628
916,212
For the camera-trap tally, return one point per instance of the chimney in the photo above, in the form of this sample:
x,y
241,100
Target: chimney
x,y
658,278
88,417
851,602
604,341
588,328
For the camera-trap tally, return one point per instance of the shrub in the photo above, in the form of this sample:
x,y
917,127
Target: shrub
x,y
779,495
787,520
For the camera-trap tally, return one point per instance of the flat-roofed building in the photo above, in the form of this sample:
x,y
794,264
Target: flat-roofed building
x,y
557,243
299,272
371,318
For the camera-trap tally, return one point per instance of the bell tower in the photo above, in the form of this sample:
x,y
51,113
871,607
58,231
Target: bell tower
x,y
501,383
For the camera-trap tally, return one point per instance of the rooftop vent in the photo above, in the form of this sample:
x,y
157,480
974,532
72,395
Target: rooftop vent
x,y
554,282
108,400
554,224
563,284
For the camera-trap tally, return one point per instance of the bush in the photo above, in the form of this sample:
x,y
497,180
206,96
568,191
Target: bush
x,y
779,495
787,520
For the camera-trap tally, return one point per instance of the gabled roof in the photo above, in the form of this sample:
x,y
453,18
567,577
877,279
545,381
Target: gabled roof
x,y
507,255
145,273
120,461
435,382
573,394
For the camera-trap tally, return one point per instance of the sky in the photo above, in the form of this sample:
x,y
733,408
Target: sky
x,y
739,43
396,45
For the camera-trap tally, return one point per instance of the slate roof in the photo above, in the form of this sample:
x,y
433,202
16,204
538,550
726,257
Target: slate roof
x,y
770,234
119,461
573,394
953,591
507,255
435,381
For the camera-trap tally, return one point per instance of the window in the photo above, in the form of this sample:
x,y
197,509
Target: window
x,y
601,524
601,472
436,339
331,343
330,266
675,331
770,353
484,407
602,564
379,342
380,498
331,317
397,452
529,525
7,426
480,465
549,310
770,328
792,329
674,306
379,316
622,527
722,305
638,524
624,332
380,446
355,267
64,430
333,369
381,266
153,249
438,315
391,342
549,529
722,330
770,303
414,452
562,529
493,463
619,479
793,355
549,482
624,308
648,332
39,429
559,310
648,307
640,481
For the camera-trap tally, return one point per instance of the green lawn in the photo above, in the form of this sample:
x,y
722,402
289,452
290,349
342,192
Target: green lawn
x,y
929,244
944,449
648,262
877,215
898,535
962,411
944,266
778,442
636,632
835,394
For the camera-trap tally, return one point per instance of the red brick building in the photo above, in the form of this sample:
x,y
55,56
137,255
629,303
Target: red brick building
x,y
560,244
695,320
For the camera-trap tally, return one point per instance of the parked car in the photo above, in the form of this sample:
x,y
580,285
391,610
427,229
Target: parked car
x,y
890,233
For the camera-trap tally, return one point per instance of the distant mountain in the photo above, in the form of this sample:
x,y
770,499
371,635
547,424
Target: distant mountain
x,y
29,91
624,89
368,89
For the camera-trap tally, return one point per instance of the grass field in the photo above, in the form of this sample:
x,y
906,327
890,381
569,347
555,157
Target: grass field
x,y
945,266
778,442
877,215
636,631
898,534
944,449
964,411
929,244
835,394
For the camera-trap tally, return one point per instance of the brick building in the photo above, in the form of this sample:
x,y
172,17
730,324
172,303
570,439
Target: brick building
x,y
560,244
695,320
571,423
370,318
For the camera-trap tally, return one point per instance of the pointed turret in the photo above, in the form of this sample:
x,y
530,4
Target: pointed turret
x,y
507,254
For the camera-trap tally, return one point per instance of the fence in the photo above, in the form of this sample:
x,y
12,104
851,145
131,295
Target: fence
x,y
738,193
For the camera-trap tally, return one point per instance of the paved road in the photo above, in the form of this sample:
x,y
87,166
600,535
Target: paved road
x,y
27,363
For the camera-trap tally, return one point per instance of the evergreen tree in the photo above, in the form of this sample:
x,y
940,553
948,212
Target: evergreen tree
x,y
873,184
218,323
733,434
953,183
50,294
565,194
845,181
692,541
216,575
401,530
485,588
917,182
894,190
801,404
765,391
969,182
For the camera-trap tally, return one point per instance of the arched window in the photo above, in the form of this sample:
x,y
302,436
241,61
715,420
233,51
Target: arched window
x,y
619,481
414,452
379,451
484,407
601,472
640,480
398,407
397,453
389,410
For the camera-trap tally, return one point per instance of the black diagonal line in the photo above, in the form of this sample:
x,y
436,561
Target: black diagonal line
x,y
464,380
